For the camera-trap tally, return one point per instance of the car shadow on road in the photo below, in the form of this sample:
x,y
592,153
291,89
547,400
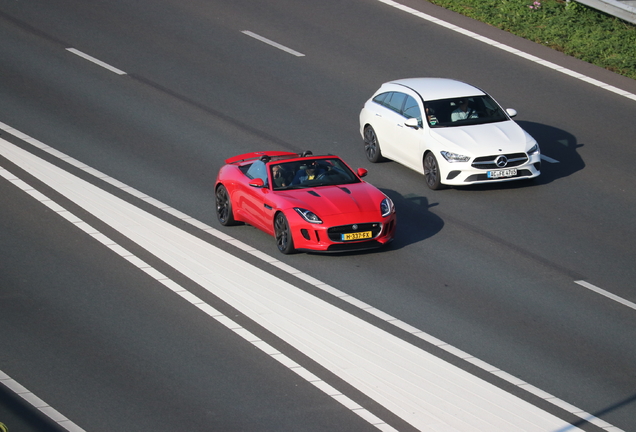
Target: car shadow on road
x,y
19,415
560,157
415,223
559,149
602,412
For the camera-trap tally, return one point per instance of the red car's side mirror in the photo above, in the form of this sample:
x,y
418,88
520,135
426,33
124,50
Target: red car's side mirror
x,y
362,172
257,182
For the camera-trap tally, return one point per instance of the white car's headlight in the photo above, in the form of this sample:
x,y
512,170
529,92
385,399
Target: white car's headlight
x,y
533,150
309,216
386,207
454,157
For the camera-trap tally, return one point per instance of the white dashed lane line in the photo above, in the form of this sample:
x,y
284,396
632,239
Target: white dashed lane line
x,y
606,294
32,399
548,159
96,61
272,43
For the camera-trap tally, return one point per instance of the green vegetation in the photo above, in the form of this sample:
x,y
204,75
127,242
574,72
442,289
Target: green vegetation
x,y
570,27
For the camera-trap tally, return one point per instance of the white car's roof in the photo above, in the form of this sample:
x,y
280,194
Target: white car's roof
x,y
435,88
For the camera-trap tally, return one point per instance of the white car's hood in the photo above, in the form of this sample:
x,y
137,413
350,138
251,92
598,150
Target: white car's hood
x,y
490,138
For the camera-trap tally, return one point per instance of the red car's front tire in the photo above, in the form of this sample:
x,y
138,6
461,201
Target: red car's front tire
x,y
282,232
224,207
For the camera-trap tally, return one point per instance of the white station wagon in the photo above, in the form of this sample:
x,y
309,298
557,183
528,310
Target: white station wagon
x,y
450,131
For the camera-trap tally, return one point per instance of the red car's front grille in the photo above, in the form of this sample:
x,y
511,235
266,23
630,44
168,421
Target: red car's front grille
x,y
335,233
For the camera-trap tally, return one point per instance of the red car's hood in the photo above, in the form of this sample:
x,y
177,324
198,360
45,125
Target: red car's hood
x,y
330,200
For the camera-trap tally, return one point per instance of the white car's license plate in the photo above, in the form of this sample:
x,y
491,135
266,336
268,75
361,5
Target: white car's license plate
x,y
502,173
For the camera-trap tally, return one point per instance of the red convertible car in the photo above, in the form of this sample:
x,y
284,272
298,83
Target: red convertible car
x,y
311,203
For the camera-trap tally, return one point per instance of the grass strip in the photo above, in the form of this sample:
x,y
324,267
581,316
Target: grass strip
x,y
566,26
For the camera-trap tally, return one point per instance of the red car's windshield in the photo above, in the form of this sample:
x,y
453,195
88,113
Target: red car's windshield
x,y
310,173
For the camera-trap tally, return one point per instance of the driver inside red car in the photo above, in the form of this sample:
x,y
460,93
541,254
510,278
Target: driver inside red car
x,y
307,172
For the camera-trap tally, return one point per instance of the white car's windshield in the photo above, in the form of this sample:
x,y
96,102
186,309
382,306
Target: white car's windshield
x,y
463,111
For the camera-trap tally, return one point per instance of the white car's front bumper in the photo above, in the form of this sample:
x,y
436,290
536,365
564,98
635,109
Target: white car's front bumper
x,y
465,173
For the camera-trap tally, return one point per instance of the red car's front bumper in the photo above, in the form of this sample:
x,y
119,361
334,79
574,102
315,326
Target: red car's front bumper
x,y
327,237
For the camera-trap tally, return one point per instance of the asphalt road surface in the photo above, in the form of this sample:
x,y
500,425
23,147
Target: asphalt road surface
x,y
114,119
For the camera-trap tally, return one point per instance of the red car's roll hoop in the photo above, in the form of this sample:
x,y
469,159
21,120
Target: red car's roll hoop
x,y
258,155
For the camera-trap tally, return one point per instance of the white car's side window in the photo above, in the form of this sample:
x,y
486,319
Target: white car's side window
x,y
381,98
411,109
396,102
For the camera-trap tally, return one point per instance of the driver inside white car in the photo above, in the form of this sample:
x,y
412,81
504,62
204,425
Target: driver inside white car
x,y
463,112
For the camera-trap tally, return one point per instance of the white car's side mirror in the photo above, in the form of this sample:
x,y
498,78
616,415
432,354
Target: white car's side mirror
x,y
412,123
511,112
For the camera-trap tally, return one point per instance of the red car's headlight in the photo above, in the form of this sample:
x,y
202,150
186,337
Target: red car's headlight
x,y
386,207
309,216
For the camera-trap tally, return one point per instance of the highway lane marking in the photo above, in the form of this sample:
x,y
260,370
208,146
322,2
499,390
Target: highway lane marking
x,y
317,283
247,32
189,297
606,294
36,402
417,386
548,159
272,43
96,61
509,49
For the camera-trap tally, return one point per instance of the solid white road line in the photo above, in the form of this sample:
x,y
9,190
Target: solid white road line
x,y
186,295
272,43
96,61
509,49
422,389
315,282
38,403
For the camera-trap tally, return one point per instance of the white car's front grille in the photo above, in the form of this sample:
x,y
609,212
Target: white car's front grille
x,y
500,161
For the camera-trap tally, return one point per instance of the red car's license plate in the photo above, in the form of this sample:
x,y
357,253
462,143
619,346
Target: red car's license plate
x,y
356,236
